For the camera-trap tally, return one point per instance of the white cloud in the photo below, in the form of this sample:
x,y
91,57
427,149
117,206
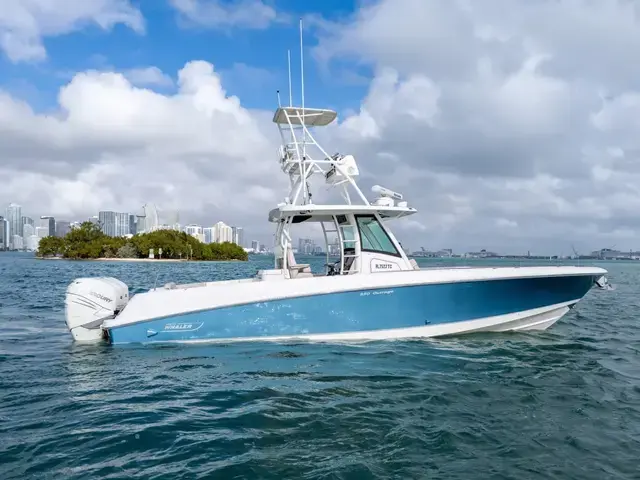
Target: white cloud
x,y
24,23
216,13
388,98
517,128
493,124
112,145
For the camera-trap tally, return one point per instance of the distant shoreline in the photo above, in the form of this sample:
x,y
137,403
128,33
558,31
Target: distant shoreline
x,y
175,260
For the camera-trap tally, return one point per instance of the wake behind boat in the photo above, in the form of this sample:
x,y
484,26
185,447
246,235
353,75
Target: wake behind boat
x,y
373,292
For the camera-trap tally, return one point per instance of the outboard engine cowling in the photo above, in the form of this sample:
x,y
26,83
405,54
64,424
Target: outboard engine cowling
x,y
90,301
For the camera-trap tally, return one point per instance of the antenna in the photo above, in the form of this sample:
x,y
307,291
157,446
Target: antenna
x,y
301,65
305,189
289,62
278,94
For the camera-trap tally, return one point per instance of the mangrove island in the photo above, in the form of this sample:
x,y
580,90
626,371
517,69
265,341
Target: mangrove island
x,y
88,242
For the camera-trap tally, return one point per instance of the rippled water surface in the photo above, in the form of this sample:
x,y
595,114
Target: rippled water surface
x,y
560,404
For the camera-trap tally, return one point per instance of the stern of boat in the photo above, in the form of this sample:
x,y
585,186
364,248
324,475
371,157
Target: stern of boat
x,y
91,301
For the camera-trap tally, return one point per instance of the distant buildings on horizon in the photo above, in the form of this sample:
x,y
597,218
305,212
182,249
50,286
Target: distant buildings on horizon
x,y
448,253
602,254
18,232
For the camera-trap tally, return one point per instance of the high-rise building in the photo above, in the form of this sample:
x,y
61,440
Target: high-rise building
x,y
209,234
306,246
62,228
31,243
27,221
140,224
107,223
114,224
237,234
17,242
42,232
255,245
122,224
14,217
133,224
4,233
222,233
28,230
150,215
195,231
50,223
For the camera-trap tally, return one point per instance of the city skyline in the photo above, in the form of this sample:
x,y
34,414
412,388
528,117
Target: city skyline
x,y
20,232
126,224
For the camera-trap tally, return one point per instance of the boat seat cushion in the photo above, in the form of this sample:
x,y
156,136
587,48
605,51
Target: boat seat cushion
x,y
299,271
301,267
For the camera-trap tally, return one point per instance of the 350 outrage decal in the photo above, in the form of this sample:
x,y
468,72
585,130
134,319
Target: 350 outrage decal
x,y
380,292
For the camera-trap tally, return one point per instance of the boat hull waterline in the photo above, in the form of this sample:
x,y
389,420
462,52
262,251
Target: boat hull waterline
x,y
415,311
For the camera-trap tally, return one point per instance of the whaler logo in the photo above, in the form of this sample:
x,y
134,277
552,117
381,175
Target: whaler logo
x,y
178,326
101,297
182,327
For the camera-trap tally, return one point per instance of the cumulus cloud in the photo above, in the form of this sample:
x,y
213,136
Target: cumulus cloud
x,y
215,13
113,145
24,23
529,116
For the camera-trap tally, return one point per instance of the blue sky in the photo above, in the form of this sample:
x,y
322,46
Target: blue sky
x,y
252,61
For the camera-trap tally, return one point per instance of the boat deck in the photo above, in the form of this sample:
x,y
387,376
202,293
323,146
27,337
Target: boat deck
x,y
184,286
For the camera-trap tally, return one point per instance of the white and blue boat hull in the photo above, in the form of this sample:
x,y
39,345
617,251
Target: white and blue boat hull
x,y
404,311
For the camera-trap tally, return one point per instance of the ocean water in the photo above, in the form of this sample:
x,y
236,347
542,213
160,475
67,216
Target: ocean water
x,y
560,404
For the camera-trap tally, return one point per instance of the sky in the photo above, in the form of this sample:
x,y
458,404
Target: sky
x,y
510,125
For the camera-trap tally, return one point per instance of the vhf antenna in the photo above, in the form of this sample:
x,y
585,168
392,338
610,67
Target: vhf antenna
x,y
301,66
290,93
305,189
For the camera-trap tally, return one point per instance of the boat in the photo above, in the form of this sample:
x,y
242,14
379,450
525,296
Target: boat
x,y
371,291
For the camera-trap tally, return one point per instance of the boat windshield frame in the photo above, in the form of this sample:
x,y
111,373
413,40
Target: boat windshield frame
x,y
349,249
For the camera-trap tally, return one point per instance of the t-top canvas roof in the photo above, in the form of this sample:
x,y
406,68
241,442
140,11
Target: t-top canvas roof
x,y
324,213
312,117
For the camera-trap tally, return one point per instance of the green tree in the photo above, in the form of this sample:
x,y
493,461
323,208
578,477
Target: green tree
x,y
128,250
50,247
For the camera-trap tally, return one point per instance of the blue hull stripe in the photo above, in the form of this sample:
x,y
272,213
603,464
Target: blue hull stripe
x,y
397,307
